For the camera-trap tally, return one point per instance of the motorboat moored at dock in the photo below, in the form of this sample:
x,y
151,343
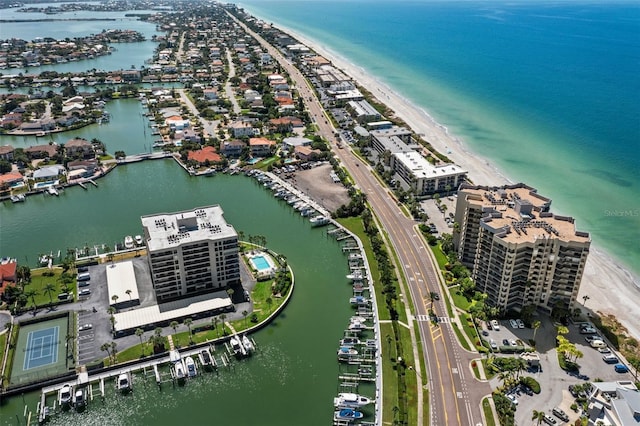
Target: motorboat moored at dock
x,y
347,414
124,383
351,400
128,242
191,367
319,220
65,394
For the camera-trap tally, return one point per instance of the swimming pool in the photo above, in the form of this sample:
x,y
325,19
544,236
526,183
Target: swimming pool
x,y
260,263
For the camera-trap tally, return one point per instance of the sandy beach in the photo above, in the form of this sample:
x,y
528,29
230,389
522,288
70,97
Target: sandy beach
x,y
612,289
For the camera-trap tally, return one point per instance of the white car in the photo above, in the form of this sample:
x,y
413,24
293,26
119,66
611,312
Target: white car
x,y
520,323
495,325
511,397
85,327
513,323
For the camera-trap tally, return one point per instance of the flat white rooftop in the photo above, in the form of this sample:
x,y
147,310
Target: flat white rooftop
x,y
421,168
156,314
167,230
120,278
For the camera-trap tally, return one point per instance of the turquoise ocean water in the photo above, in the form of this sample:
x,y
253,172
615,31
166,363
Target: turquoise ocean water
x,y
548,92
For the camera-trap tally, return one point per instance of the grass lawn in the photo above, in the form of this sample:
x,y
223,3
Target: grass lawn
x,y
488,414
3,345
488,372
39,281
440,257
411,378
389,376
460,300
460,336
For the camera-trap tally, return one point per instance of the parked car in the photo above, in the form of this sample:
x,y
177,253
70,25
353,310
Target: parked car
x,y
596,343
513,323
505,342
549,420
495,324
85,327
610,359
494,345
84,292
621,368
84,283
514,343
520,323
604,350
511,397
489,326
591,338
485,332
560,414
588,330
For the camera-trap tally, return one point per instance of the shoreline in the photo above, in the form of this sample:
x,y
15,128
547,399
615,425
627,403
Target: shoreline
x,y
611,285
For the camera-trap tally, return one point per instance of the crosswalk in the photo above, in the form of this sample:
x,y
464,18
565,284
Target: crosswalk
x,y
427,318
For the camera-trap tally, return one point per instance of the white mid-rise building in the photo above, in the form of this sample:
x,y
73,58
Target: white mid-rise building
x,y
425,178
191,252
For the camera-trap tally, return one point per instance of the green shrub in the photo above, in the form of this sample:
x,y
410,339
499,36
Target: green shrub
x,y
531,383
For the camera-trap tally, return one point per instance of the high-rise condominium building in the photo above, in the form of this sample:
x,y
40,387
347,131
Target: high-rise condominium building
x,y
518,251
191,252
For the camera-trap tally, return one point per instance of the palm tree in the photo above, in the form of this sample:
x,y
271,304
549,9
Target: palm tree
x,y
245,313
230,292
114,353
538,416
584,299
174,325
188,323
128,294
223,317
139,333
214,325
536,325
105,347
31,294
49,288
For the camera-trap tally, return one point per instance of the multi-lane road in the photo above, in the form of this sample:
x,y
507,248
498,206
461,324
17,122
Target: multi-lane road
x,y
454,394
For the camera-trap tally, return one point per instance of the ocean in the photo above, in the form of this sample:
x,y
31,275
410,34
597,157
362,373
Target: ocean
x,y
547,92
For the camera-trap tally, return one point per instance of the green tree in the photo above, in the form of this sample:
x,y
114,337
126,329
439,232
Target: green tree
x,y
187,323
114,298
536,325
49,288
538,416
214,325
269,302
139,333
31,294
245,314
174,325
128,292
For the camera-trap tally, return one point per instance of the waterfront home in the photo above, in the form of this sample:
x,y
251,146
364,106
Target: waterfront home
x,y
8,276
82,168
176,122
207,154
261,147
293,142
42,151
79,147
11,120
48,172
11,179
232,148
6,152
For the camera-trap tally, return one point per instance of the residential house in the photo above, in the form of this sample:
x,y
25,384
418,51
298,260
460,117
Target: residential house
x,y
81,168
240,129
306,153
210,94
48,172
261,147
11,179
6,152
79,147
176,122
291,143
232,148
207,154
8,274
42,151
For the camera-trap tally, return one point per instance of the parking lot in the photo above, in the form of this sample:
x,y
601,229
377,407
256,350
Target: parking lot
x,y
554,382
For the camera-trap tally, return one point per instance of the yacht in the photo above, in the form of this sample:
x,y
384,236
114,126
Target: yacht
x,y
128,242
236,346
138,239
351,400
191,367
319,220
359,301
17,198
124,383
356,275
52,191
349,341
346,352
64,395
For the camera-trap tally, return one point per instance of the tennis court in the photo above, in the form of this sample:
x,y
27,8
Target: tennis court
x,y
41,350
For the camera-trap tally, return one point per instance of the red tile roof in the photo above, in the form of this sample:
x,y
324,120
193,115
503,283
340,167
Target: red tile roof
x,y
204,154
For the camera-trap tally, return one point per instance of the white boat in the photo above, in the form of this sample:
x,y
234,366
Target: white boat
x,y
52,191
356,326
346,352
64,395
191,367
248,344
319,220
80,399
128,242
206,359
236,346
124,383
138,239
349,341
18,198
347,414
351,400
178,370
356,275
355,256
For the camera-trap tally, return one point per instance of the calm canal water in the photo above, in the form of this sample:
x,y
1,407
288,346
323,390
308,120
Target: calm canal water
x,y
291,380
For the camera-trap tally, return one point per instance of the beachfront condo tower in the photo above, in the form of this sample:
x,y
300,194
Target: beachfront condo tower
x,y
191,252
519,253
